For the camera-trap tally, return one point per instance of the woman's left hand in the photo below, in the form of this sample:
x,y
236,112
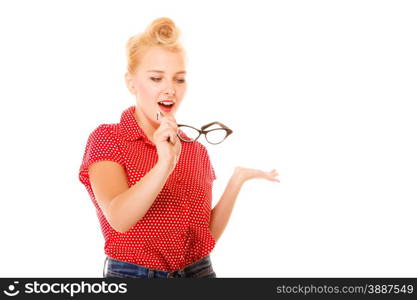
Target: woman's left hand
x,y
247,173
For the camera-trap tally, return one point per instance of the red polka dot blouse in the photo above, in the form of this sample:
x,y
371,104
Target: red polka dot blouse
x,y
175,230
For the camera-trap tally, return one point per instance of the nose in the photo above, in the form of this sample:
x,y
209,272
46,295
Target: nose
x,y
170,91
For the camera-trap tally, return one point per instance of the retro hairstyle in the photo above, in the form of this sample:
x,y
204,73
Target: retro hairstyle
x,y
162,32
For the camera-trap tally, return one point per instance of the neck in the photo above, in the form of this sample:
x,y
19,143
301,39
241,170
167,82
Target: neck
x,y
147,125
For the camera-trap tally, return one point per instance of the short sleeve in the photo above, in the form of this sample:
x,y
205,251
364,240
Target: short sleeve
x,y
101,145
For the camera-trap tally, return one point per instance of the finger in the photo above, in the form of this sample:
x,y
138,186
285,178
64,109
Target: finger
x,y
162,117
274,171
173,137
171,127
171,118
272,178
167,130
169,123
167,133
275,179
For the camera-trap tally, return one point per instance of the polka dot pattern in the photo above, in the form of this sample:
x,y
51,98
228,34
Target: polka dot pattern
x,y
175,230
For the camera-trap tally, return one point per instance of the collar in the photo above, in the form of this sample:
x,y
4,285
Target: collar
x,y
130,128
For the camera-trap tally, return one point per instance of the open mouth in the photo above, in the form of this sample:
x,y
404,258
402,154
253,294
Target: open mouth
x,y
166,105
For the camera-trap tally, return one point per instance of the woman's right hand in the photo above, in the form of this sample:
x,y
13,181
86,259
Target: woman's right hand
x,y
168,152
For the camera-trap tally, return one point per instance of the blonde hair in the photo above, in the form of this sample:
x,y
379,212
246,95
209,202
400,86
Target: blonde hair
x,y
162,32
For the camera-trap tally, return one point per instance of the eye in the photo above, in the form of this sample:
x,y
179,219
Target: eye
x,y
155,79
180,80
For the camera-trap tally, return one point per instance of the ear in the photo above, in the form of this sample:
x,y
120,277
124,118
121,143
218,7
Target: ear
x,y
129,83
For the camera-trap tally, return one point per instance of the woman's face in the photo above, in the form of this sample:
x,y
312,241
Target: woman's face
x,y
159,76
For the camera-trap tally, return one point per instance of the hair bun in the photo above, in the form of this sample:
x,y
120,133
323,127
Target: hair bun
x,y
163,31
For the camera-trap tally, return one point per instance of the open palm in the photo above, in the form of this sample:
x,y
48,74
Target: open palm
x,y
247,173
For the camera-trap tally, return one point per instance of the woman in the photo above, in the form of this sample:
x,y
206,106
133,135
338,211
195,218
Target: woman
x,y
151,190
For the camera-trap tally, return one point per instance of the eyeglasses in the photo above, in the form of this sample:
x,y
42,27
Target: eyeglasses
x,y
214,136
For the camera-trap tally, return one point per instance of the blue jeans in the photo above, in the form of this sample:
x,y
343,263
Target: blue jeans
x,y
117,268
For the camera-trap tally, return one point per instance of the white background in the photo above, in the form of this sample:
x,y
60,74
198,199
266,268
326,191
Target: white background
x,y
323,91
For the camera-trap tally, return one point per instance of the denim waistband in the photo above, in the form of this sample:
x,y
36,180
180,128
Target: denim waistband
x,y
201,267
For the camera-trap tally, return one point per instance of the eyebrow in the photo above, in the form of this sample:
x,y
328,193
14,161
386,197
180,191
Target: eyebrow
x,y
159,71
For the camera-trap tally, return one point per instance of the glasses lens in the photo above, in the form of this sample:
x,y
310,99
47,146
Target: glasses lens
x,y
216,136
188,133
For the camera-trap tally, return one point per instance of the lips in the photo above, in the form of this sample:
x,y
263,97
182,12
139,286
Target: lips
x,y
166,105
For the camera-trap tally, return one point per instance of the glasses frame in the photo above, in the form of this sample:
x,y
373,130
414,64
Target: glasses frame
x,y
203,131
